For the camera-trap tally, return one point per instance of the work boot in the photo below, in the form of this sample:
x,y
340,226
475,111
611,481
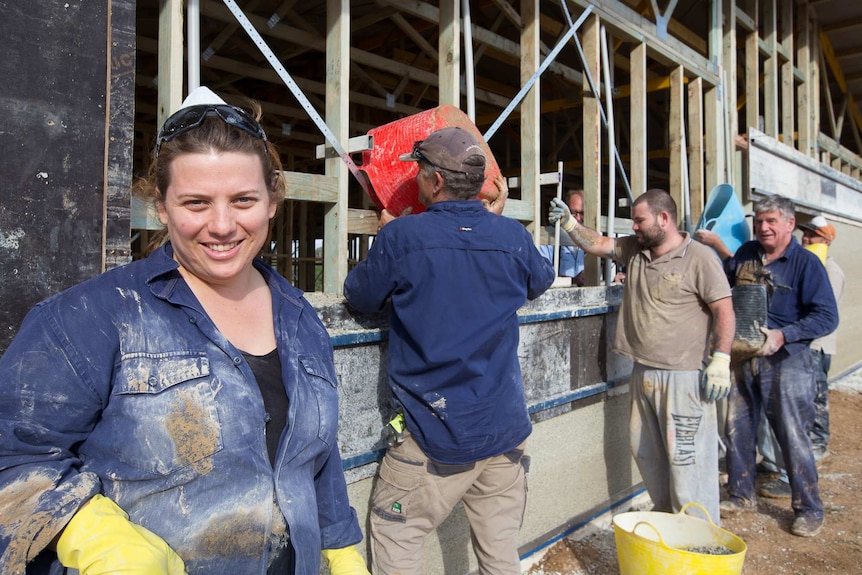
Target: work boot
x,y
764,466
775,490
731,506
806,526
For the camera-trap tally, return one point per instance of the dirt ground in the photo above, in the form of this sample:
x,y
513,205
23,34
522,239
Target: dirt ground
x,y
772,550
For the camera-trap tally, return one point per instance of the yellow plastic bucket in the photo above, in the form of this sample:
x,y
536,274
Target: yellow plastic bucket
x,y
654,543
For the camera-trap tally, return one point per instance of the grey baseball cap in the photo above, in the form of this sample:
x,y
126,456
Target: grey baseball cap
x,y
452,148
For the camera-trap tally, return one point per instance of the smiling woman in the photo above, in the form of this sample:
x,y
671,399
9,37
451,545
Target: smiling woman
x,y
176,379
216,211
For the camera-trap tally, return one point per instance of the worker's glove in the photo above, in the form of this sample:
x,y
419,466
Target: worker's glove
x,y
560,213
345,561
774,341
100,540
716,377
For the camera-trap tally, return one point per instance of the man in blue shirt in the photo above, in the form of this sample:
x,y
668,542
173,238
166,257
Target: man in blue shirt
x,y
455,276
571,256
779,376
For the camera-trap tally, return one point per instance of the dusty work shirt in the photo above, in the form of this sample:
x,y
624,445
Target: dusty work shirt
x,y
123,385
664,320
799,296
456,276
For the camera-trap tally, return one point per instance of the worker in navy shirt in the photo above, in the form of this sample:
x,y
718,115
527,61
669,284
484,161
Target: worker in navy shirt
x,y
780,375
455,276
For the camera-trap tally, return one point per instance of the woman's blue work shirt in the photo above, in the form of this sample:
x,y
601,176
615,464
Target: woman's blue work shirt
x,y
122,385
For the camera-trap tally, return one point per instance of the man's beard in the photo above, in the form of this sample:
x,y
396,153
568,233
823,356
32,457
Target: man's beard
x,y
651,238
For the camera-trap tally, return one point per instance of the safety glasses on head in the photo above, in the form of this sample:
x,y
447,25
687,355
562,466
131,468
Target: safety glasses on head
x,y
417,154
185,119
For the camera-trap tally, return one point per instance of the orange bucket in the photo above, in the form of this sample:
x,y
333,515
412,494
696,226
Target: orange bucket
x,y
393,183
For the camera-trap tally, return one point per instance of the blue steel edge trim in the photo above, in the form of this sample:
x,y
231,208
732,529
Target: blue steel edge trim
x,y
363,459
565,314
581,524
358,338
849,371
380,335
584,392
581,393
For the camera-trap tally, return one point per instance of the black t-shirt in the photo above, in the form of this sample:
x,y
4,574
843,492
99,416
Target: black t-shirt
x,y
267,372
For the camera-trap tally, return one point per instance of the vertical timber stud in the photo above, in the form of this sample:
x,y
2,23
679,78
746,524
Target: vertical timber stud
x,y
676,137
530,108
712,144
729,64
696,191
770,70
638,65
815,85
170,74
806,92
714,104
449,64
592,142
752,70
120,133
337,110
788,84
306,250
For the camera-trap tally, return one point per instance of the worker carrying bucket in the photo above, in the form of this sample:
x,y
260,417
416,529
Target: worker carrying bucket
x,y
453,278
393,182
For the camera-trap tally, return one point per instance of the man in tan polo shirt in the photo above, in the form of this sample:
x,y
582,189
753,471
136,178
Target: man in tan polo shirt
x,y
676,309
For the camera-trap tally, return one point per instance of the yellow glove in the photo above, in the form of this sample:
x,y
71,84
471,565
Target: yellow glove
x,y
345,561
100,539
716,376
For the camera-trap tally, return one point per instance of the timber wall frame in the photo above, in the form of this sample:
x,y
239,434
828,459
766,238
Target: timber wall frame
x,y
762,64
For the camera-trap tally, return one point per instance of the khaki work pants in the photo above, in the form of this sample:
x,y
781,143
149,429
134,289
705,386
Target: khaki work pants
x,y
413,495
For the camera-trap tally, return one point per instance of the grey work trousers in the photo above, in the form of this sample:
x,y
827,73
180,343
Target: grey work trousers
x,y
674,439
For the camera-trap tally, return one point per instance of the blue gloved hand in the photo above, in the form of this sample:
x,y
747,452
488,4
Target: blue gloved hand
x,y
560,212
716,377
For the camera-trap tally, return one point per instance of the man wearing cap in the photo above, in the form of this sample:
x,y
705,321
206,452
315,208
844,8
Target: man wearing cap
x,y
820,232
780,375
455,277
